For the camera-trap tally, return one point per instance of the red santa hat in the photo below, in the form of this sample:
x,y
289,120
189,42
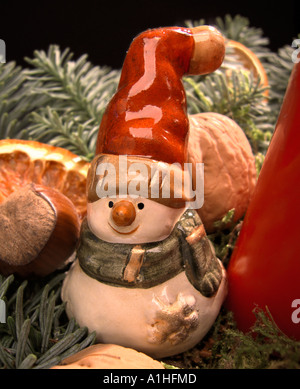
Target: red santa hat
x,y
147,116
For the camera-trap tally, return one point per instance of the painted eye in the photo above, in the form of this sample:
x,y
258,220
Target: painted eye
x,y
111,204
140,205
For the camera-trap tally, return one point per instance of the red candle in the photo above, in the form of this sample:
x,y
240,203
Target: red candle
x,y
264,269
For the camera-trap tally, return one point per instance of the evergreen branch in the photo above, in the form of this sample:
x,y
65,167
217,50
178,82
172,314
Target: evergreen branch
x,y
75,85
6,358
61,346
64,130
16,101
278,67
22,340
90,339
4,284
75,90
238,28
28,362
38,343
46,313
19,308
237,96
78,94
34,301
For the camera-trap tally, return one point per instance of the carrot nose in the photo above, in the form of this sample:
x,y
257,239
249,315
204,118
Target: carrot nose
x,y
123,213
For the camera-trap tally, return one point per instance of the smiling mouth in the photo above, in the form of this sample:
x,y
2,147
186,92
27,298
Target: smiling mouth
x,y
124,233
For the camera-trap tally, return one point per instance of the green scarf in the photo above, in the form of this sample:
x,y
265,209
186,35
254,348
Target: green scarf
x,y
148,264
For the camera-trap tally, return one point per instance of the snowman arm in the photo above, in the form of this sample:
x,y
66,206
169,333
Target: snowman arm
x,y
202,267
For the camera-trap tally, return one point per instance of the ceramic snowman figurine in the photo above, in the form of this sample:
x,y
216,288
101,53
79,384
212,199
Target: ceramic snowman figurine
x,y
146,275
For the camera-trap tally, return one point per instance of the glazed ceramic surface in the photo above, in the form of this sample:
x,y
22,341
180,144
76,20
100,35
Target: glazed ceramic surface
x,y
146,275
267,248
149,107
104,222
163,320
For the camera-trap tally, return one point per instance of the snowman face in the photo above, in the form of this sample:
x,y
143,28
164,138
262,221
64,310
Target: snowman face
x,y
131,220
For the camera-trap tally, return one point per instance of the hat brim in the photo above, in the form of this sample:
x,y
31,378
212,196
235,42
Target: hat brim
x,y
123,176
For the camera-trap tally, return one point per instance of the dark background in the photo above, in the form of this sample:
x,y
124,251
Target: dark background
x,y
104,29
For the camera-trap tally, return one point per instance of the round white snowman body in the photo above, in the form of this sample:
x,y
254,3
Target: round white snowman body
x,y
162,319
146,275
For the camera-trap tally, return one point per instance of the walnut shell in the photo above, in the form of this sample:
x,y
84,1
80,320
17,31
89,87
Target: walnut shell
x,y
109,356
229,165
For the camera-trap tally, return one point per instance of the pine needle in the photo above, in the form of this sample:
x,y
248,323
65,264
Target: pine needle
x,y
239,97
39,341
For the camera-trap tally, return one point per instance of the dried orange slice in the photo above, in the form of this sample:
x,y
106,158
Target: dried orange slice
x,y
23,162
246,59
42,203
